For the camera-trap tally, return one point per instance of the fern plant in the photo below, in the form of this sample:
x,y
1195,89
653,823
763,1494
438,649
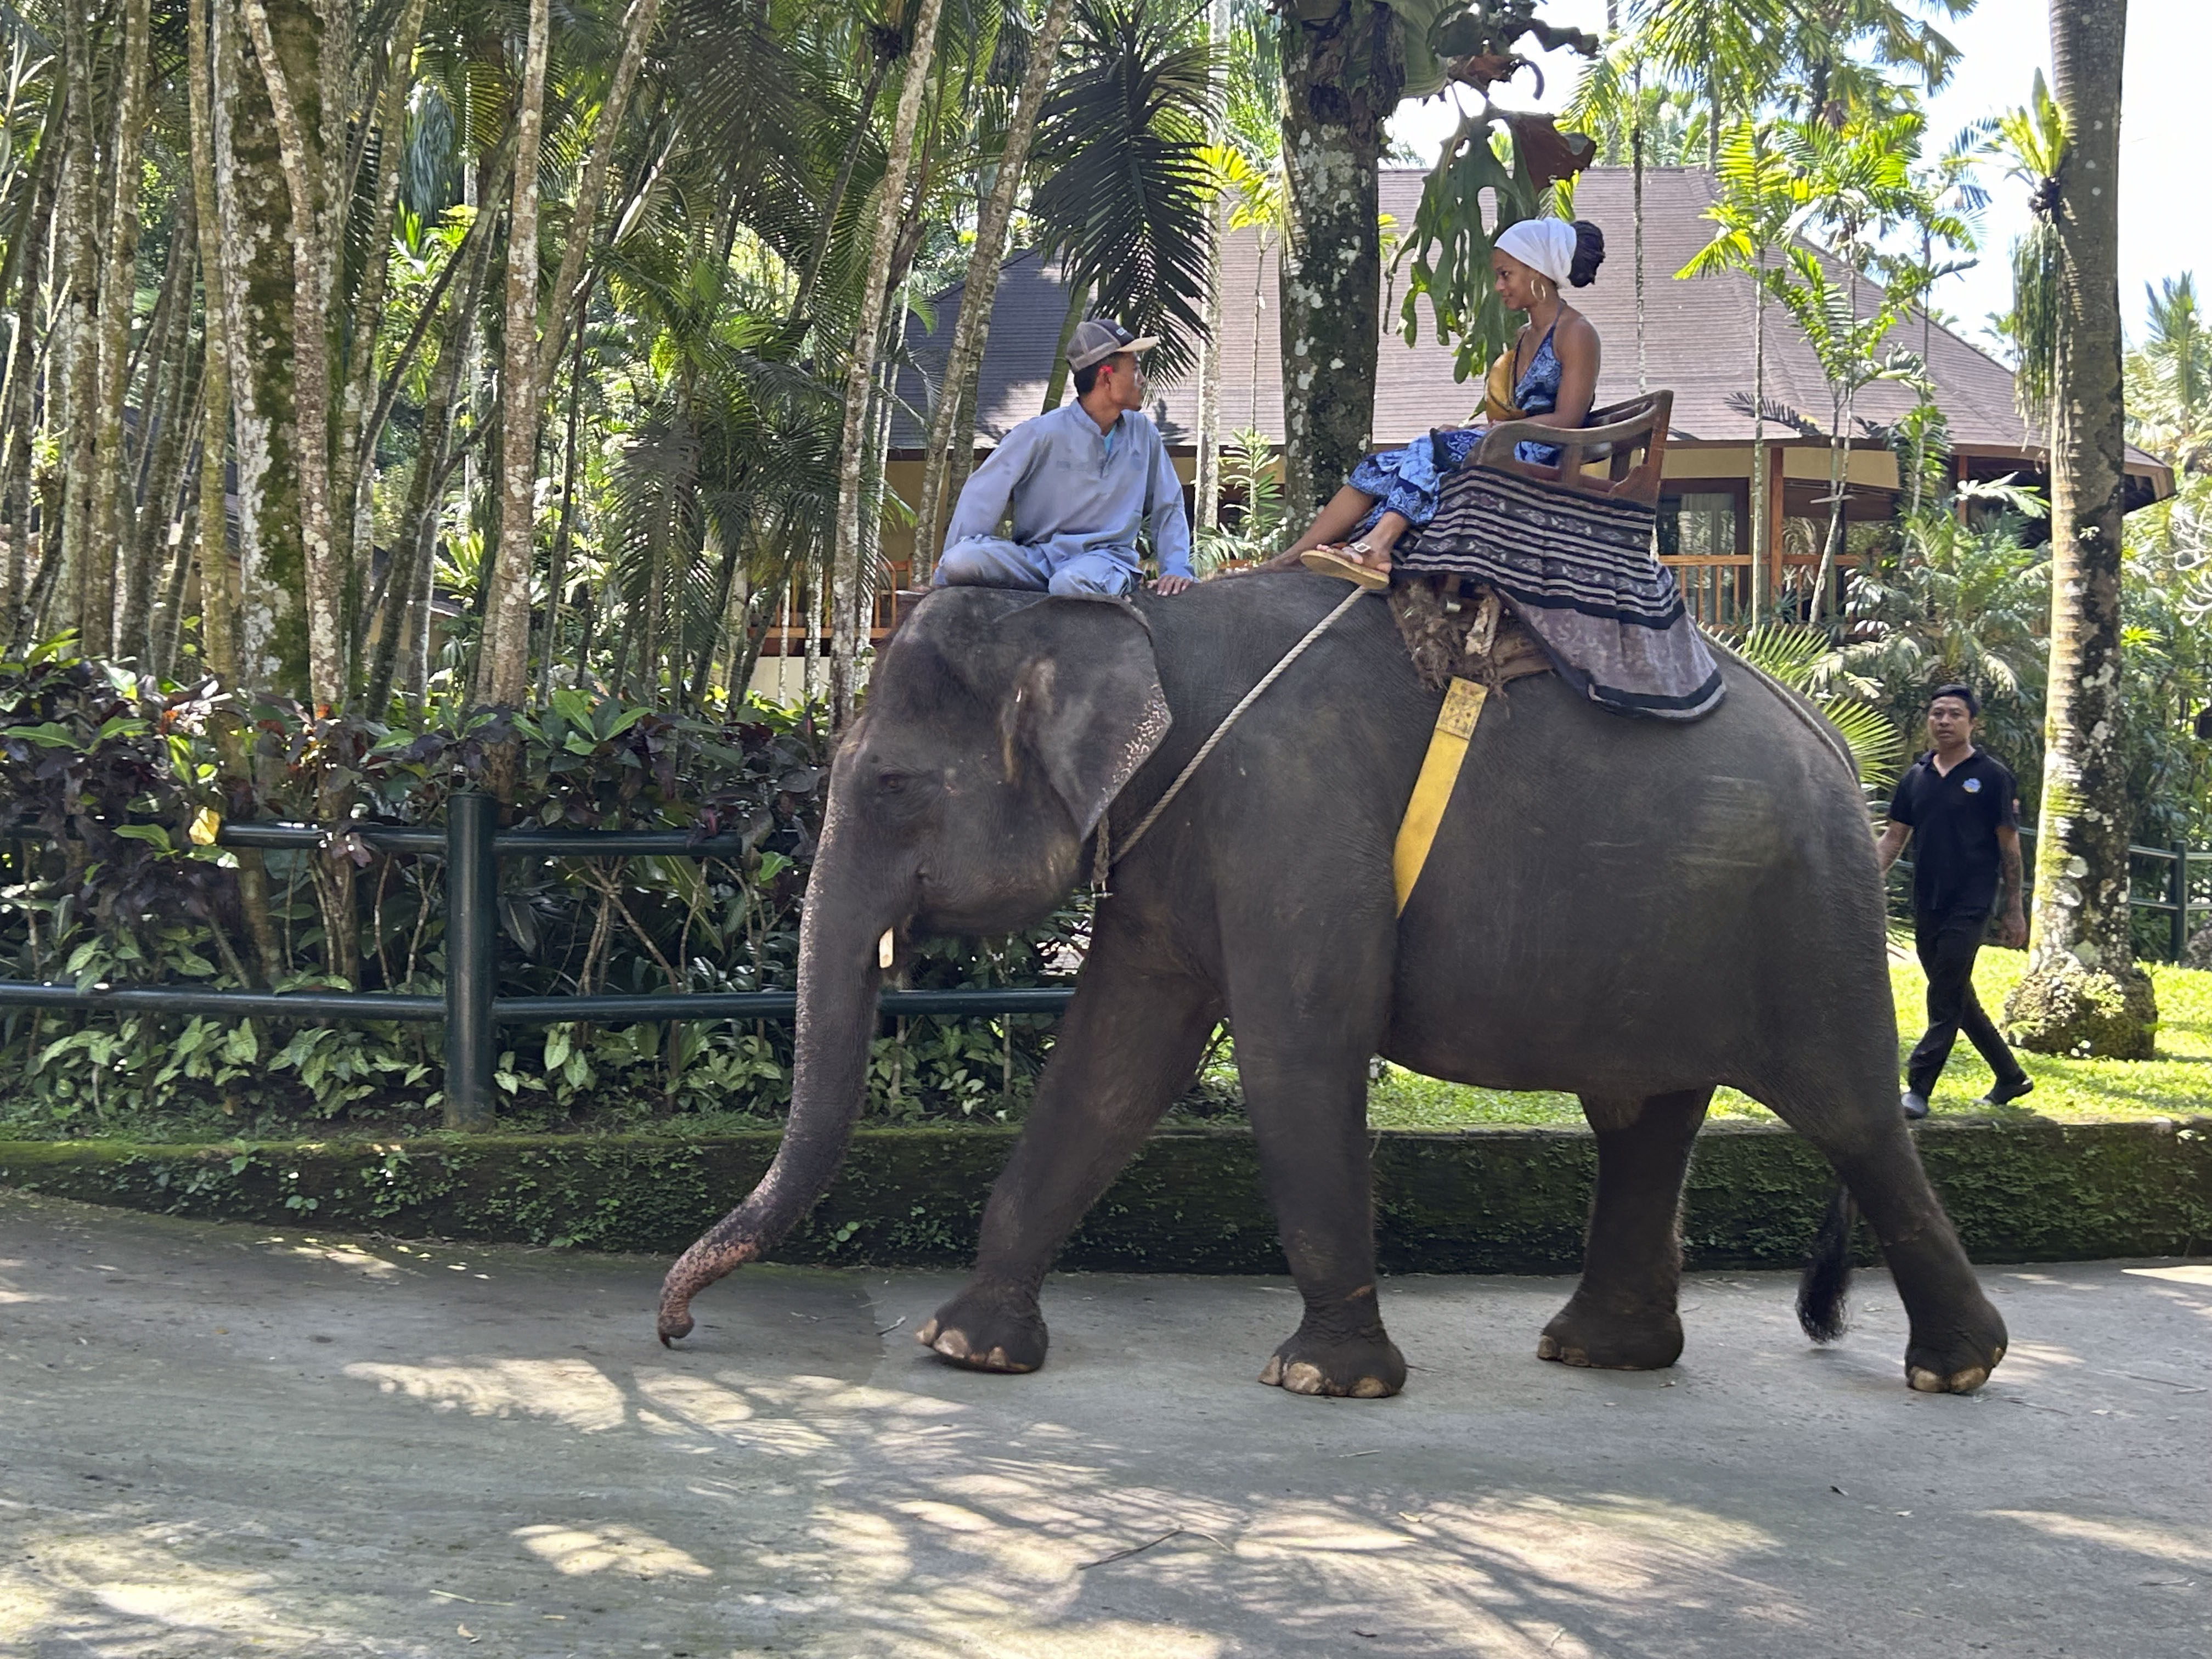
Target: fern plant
x,y
1803,658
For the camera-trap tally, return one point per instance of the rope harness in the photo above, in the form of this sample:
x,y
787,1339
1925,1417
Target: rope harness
x,y
1105,855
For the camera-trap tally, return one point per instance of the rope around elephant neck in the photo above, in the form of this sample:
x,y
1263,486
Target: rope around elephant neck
x,y
1106,855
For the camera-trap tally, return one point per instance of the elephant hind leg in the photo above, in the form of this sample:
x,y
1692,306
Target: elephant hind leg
x,y
1957,1336
1623,1315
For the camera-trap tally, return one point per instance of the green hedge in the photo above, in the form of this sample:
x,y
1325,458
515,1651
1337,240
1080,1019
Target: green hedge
x,y
1479,1200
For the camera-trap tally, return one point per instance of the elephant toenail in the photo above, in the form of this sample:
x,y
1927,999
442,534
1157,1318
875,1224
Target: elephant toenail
x,y
997,1360
1968,1380
1301,1376
1924,1381
952,1345
1547,1349
1370,1387
927,1334
1272,1374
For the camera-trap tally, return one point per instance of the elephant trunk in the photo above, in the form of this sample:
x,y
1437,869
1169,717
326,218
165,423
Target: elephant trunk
x,y
838,977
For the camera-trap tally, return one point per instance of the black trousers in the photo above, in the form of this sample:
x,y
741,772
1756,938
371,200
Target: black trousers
x,y
1948,941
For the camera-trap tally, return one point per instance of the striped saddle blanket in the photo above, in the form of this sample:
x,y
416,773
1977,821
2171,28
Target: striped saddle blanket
x,y
1579,572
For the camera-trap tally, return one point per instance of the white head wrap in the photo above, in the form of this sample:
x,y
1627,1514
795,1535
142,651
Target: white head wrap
x,y
1545,246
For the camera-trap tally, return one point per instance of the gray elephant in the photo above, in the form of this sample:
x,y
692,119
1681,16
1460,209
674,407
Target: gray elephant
x,y
1631,912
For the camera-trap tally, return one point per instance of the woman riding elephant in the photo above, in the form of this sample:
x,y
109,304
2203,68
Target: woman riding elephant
x,y
1549,375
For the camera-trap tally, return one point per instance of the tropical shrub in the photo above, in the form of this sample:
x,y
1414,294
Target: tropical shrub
x,y
115,788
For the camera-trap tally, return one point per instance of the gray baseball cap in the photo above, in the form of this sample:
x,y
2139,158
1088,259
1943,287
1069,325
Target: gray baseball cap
x,y
1096,341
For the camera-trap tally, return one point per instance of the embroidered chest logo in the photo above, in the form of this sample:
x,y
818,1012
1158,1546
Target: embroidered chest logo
x,y
1971,786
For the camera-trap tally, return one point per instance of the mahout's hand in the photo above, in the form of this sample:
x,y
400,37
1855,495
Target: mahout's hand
x,y
1172,584
2012,931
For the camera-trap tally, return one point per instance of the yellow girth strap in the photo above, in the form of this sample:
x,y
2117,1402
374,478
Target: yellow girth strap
x,y
1432,793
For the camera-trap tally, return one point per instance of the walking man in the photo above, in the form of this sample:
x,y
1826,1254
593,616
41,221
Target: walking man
x,y
1960,810
1077,483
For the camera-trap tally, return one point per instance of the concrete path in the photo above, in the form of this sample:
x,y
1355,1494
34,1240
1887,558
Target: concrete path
x,y
218,1440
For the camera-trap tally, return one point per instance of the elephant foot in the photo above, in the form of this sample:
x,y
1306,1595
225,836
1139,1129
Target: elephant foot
x,y
1366,1367
988,1331
1584,1334
1960,1359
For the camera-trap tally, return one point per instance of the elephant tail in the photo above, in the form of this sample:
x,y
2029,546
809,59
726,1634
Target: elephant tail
x,y
1822,1292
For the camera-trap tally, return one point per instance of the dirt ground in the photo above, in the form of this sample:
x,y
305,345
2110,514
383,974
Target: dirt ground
x,y
218,1440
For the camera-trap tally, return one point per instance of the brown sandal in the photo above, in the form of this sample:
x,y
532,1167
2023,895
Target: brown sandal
x,y
1329,562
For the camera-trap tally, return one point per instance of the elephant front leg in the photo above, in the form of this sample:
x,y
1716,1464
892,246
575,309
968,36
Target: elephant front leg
x,y
1131,1043
1623,1315
1308,1114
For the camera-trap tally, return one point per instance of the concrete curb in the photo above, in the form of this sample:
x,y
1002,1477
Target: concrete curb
x,y
1478,1200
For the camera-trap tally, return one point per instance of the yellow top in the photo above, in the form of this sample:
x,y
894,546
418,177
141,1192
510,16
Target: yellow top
x,y
1497,390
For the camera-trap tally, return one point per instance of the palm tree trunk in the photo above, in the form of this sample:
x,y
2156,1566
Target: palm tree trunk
x,y
1832,544
503,659
557,574
948,433
351,449
150,616
1055,382
113,520
1341,76
1207,482
23,270
1636,162
826,235
561,308
254,221
2083,993
72,405
1762,554
219,631
845,574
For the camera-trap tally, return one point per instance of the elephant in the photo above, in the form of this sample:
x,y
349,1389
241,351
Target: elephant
x,y
1633,912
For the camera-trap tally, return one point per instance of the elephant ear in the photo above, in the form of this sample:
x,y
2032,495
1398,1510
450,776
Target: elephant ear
x,y
1085,699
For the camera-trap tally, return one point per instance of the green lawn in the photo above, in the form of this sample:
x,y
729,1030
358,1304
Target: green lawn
x,y
2178,1084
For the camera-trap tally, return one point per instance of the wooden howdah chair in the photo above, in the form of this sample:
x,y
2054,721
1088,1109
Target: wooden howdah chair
x,y
1615,434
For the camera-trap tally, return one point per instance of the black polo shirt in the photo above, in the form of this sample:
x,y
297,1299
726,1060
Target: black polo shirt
x,y
1955,817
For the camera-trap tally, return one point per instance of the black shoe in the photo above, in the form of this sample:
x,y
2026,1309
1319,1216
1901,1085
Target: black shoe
x,y
2004,1093
1914,1104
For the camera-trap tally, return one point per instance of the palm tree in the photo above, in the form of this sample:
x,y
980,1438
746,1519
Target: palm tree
x,y
847,574
1752,210
1343,72
952,421
2033,143
2170,380
2083,990
1853,185
1730,51
1126,205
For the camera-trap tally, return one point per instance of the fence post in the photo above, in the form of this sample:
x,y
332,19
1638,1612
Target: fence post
x,y
471,930
2180,897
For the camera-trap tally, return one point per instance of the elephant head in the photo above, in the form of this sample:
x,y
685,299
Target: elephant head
x,y
999,728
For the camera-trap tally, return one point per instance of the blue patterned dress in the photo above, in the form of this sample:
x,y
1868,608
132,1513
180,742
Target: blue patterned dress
x,y
1406,481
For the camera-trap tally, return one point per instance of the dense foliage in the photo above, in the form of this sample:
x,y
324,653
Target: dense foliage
x,y
115,792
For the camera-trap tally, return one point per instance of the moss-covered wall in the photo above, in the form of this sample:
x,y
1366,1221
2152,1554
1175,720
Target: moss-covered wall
x,y
1481,1201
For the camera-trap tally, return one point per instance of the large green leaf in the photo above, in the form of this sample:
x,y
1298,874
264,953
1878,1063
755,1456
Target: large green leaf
x,y
1804,659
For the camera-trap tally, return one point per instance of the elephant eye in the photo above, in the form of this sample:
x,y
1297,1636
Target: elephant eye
x,y
893,783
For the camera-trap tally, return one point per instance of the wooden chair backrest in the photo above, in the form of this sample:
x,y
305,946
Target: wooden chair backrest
x,y
1615,433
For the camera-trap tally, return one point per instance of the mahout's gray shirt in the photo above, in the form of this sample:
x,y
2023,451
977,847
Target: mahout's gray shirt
x,y
1072,488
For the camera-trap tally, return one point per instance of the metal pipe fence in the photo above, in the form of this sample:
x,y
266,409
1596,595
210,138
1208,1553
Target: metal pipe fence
x,y
471,845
